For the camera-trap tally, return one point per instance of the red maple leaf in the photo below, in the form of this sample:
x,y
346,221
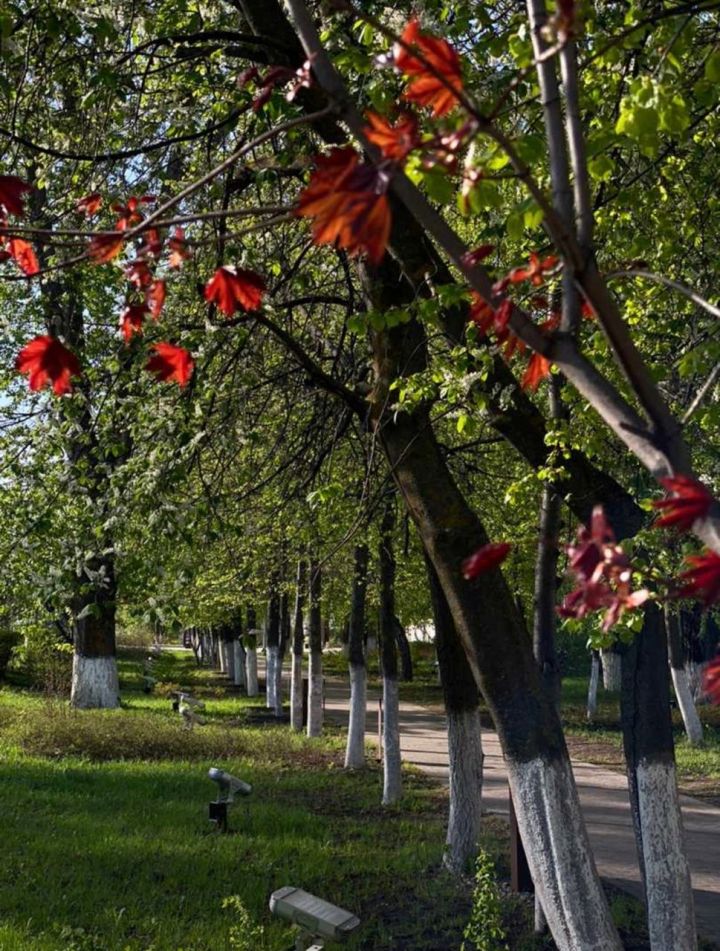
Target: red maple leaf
x,y
533,273
47,361
346,200
155,298
537,369
427,87
12,189
24,256
394,141
130,212
139,274
484,559
179,251
90,205
688,501
232,289
702,579
474,257
711,680
132,320
481,313
151,244
604,573
104,247
171,363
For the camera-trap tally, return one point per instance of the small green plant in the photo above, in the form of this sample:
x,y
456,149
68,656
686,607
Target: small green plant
x,y
244,934
484,930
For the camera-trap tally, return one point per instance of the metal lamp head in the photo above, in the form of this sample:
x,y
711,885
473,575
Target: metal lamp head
x,y
229,786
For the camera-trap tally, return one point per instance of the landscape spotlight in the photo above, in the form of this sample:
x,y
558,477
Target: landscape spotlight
x,y
316,918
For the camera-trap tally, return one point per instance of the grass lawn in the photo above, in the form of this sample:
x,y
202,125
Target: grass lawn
x,y
106,842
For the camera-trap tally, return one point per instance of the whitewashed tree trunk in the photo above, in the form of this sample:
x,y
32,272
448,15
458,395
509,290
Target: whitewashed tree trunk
x,y
94,682
251,667
271,662
238,664
296,693
555,841
221,653
593,686
683,695
671,918
680,679
392,762
298,646
355,748
612,669
229,659
465,757
315,698
315,686
277,689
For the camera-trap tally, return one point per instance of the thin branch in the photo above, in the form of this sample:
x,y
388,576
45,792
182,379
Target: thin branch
x,y
668,282
702,393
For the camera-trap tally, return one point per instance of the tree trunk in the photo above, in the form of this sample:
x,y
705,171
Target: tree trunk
x,y
611,669
272,647
251,674
355,748
593,685
392,763
296,682
500,655
403,646
315,697
94,673
465,755
282,648
680,678
649,755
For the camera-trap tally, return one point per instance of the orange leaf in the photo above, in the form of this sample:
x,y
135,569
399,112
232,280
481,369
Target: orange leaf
x,y
47,361
104,247
347,200
171,363
132,320
394,141
233,289
155,298
91,204
537,369
427,87
24,255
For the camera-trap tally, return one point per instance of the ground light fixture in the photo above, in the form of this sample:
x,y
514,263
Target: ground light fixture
x,y
316,919
229,787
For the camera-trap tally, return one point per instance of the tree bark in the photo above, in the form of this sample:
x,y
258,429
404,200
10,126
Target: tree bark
x,y
465,754
593,685
612,669
680,679
296,681
251,674
272,647
315,693
392,763
649,755
355,748
94,673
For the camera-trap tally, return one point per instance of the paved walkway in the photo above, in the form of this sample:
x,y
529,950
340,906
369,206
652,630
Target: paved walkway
x,y
603,795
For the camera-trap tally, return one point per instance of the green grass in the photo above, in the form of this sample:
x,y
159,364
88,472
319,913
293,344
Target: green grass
x,y
106,842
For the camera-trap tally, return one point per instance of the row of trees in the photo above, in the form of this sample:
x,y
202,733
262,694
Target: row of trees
x,y
573,139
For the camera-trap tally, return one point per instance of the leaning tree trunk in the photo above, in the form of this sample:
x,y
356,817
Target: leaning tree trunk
x,y
94,673
272,646
499,650
544,613
649,755
403,646
251,666
296,679
355,748
315,691
680,678
465,754
392,762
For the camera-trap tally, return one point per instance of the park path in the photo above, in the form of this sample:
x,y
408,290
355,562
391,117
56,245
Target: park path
x,y
603,794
